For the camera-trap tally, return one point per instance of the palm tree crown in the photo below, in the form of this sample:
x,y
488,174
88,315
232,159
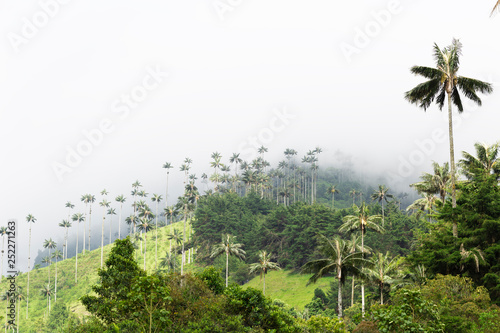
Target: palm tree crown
x,y
229,247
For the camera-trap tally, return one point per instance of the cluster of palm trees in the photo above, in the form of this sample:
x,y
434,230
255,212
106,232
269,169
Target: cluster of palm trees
x,y
343,257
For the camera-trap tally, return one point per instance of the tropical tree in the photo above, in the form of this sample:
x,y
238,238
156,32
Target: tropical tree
x,y
46,291
3,233
145,225
65,224
445,83
167,166
49,244
70,206
362,221
91,201
384,271
30,219
353,193
56,255
263,265
111,212
424,205
132,221
435,183
156,198
338,259
169,261
228,246
77,217
381,195
121,199
104,204
355,246
486,162
332,190
476,254
175,236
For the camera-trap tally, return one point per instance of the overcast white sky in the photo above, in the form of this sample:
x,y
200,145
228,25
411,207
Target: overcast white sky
x,y
165,80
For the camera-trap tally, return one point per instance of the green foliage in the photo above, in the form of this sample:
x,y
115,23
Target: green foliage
x,y
258,311
460,302
321,324
478,217
116,280
409,313
212,277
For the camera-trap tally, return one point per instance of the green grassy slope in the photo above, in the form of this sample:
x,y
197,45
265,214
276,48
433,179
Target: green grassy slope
x,y
290,288
69,291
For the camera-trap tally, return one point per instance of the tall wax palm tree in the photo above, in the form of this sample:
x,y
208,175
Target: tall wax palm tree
x,y
70,206
436,183
49,244
46,291
145,224
85,200
121,199
91,201
384,271
169,261
6,297
338,259
487,161
156,198
175,236
230,248
135,192
132,221
30,219
3,233
167,166
111,212
77,217
235,158
332,190
362,220
104,204
263,265
445,83
65,224
56,255
381,195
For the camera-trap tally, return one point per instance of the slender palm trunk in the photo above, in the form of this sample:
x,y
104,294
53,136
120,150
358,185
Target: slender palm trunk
x,y
145,247
382,294
156,235
110,227
65,256
452,164
362,283
339,295
49,267
90,220
227,265
55,292
76,252
383,213
264,289
102,239
120,222
29,269
183,241
84,227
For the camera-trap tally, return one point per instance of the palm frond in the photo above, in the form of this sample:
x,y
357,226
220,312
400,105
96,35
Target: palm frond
x,y
423,94
427,72
455,98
